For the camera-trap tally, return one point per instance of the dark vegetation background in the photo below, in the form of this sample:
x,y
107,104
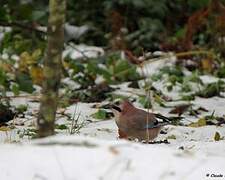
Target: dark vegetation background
x,y
193,30
144,24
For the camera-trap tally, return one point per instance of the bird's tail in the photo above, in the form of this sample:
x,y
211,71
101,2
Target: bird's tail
x,y
165,119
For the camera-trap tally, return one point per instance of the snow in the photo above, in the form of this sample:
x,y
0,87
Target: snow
x,y
79,157
74,32
216,104
208,79
83,51
151,66
97,153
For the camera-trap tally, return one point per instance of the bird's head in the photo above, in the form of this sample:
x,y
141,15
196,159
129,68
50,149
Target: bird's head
x,y
123,107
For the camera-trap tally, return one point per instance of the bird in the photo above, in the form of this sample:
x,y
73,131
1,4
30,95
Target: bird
x,y
135,123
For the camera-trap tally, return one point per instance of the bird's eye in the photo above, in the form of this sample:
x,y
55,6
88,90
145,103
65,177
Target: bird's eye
x,y
156,122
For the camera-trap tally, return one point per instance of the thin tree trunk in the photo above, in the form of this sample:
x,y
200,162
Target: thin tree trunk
x,y
52,68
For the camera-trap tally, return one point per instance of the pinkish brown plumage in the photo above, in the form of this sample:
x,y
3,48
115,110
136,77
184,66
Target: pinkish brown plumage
x,y
136,123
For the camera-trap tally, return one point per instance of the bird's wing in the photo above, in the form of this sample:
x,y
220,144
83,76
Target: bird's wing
x,y
139,120
144,120
155,125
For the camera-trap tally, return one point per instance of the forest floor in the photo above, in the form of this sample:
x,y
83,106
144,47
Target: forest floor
x,y
88,148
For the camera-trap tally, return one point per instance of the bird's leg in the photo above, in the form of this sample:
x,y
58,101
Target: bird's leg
x,y
122,135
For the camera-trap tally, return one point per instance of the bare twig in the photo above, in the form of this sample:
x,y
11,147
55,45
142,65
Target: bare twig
x,y
22,26
75,126
82,52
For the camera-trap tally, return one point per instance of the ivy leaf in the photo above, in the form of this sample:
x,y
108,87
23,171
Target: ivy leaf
x,y
100,114
15,89
61,126
25,82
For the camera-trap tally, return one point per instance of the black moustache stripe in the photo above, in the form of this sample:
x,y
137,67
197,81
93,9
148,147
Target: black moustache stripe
x,y
116,108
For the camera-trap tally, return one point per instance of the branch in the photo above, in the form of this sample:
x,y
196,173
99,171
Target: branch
x,y
22,26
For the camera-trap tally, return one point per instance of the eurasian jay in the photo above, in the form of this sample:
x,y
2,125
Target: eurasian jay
x,y
134,123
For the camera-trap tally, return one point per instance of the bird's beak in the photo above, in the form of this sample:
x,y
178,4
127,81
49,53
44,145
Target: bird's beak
x,y
117,108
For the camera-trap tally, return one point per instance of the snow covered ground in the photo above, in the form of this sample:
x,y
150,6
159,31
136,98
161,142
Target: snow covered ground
x,y
97,153
83,158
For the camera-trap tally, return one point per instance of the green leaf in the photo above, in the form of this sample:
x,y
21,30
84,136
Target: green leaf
x,y
100,114
24,11
212,89
145,102
21,109
198,4
180,33
159,100
106,74
114,96
186,87
15,89
176,71
169,87
156,76
221,72
3,78
123,71
25,82
38,14
61,126
188,97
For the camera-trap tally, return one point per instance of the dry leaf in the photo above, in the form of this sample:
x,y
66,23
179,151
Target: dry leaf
x,y
37,74
113,150
201,122
4,128
217,136
180,109
207,64
171,137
